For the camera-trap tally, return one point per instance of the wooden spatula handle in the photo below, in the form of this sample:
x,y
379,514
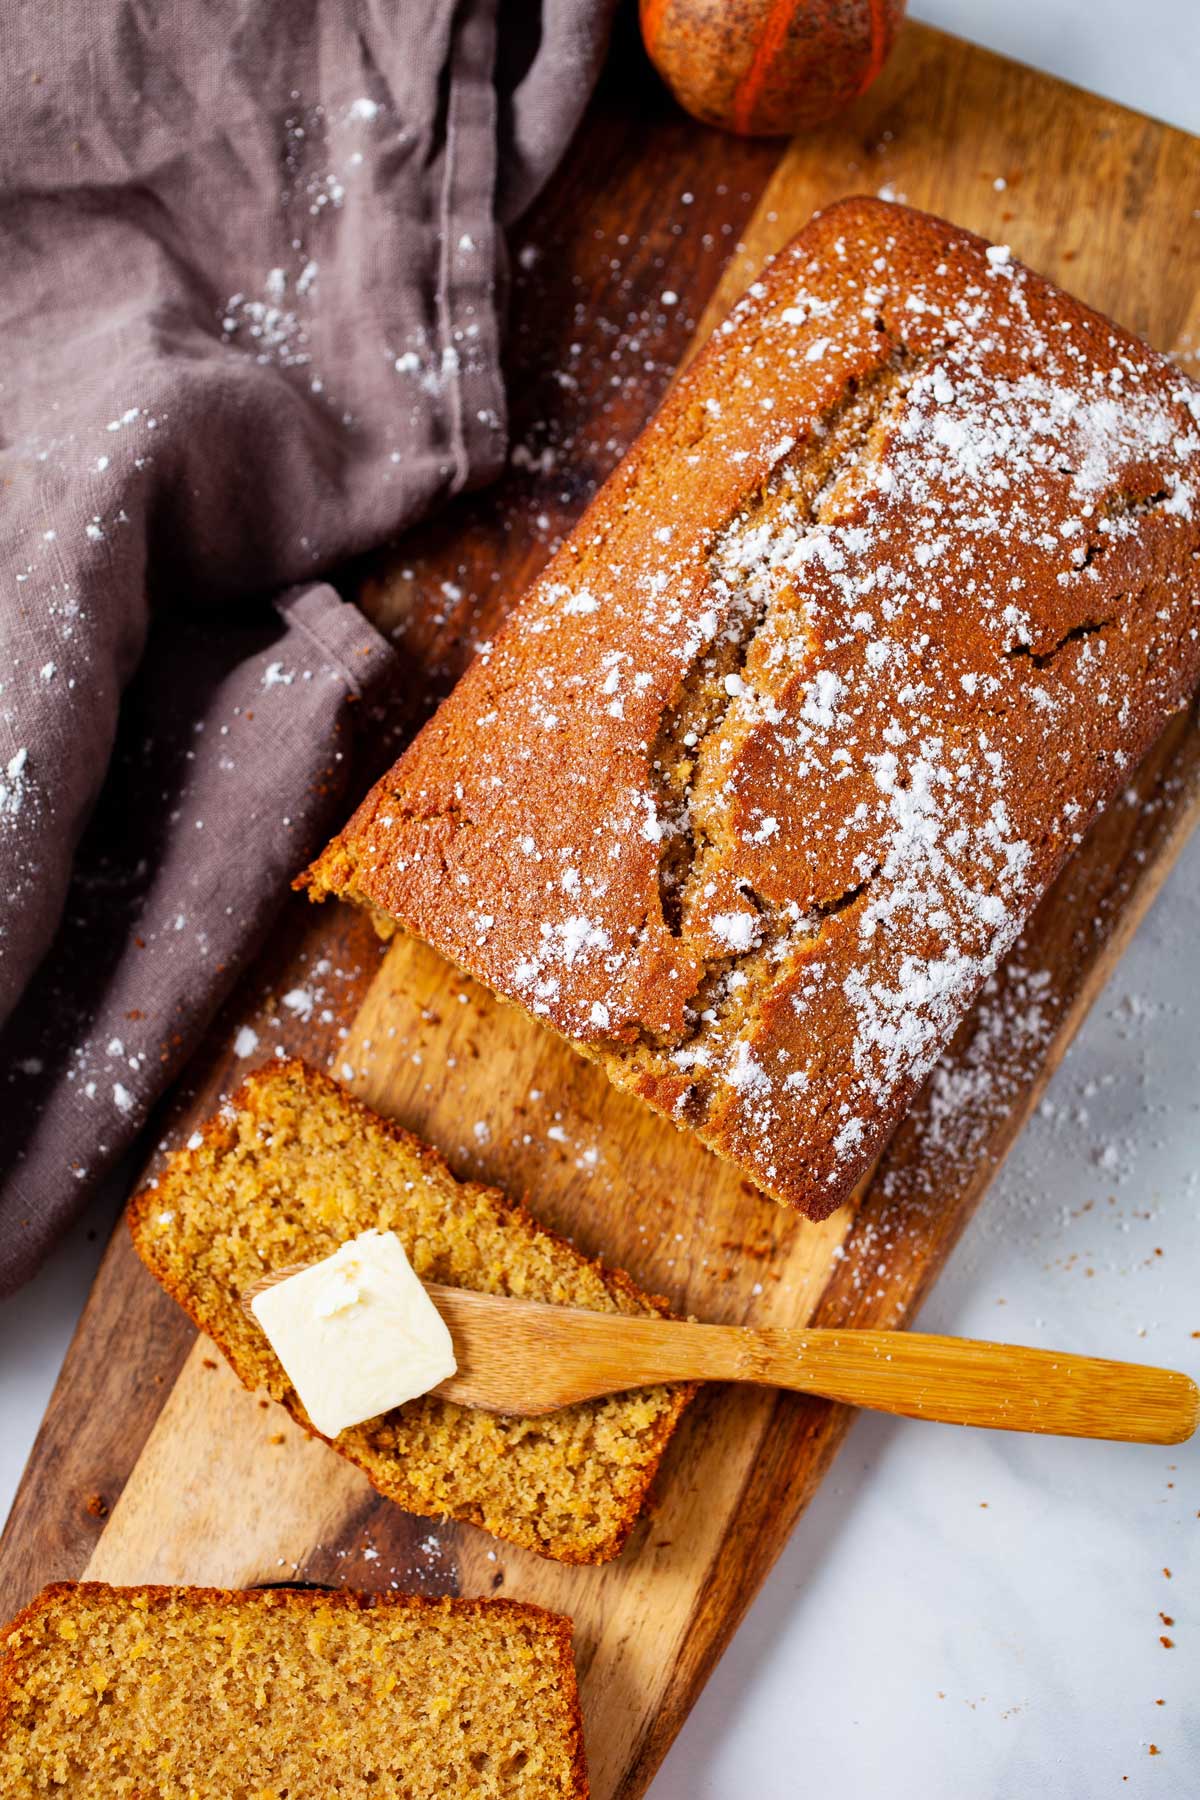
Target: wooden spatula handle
x,y
519,1357
961,1381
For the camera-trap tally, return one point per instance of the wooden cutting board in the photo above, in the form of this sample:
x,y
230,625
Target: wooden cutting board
x,y
225,1489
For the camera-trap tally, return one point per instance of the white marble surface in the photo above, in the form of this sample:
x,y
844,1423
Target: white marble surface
x,y
969,1616
1146,56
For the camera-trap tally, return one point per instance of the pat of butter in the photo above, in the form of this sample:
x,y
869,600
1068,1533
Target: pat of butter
x,y
357,1334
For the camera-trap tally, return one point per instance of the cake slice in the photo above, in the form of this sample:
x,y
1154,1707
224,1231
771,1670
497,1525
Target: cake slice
x,y
766,772
295,1166
160,1693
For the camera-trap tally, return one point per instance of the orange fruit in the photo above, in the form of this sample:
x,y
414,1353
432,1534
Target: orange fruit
x,y
767,68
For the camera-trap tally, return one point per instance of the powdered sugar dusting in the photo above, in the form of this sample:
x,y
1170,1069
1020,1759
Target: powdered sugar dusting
x,y
774,763
15,784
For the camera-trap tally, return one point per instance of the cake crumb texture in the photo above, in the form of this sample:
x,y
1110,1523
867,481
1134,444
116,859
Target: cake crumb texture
x,y
159,1693
294,1167
764,775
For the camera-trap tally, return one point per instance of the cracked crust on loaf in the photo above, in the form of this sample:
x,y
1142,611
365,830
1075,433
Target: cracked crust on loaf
x,y
765,774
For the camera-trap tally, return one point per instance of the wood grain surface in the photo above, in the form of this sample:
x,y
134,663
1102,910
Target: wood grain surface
x,y
224,1488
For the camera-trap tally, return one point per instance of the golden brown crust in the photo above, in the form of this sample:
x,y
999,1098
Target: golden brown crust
x,y
392,1474
20,1634
763,776
296,1599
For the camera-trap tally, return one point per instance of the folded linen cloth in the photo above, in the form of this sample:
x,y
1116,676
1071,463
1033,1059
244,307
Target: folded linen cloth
x,y
251,259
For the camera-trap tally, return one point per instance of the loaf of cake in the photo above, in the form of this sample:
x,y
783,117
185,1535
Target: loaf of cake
x,y
294,1167
159,1693
763,776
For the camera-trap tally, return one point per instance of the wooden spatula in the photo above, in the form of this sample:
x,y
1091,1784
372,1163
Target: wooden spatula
x,y
522,1357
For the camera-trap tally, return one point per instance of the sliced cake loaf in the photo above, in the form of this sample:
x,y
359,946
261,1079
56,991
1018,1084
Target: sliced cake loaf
x,y
765,774
293,1167
159,1693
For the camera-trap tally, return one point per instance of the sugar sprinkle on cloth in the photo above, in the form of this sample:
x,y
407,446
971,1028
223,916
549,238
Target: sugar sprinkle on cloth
x,y
253,265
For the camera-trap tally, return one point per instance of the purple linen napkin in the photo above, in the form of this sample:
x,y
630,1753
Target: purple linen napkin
x,y
250,263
